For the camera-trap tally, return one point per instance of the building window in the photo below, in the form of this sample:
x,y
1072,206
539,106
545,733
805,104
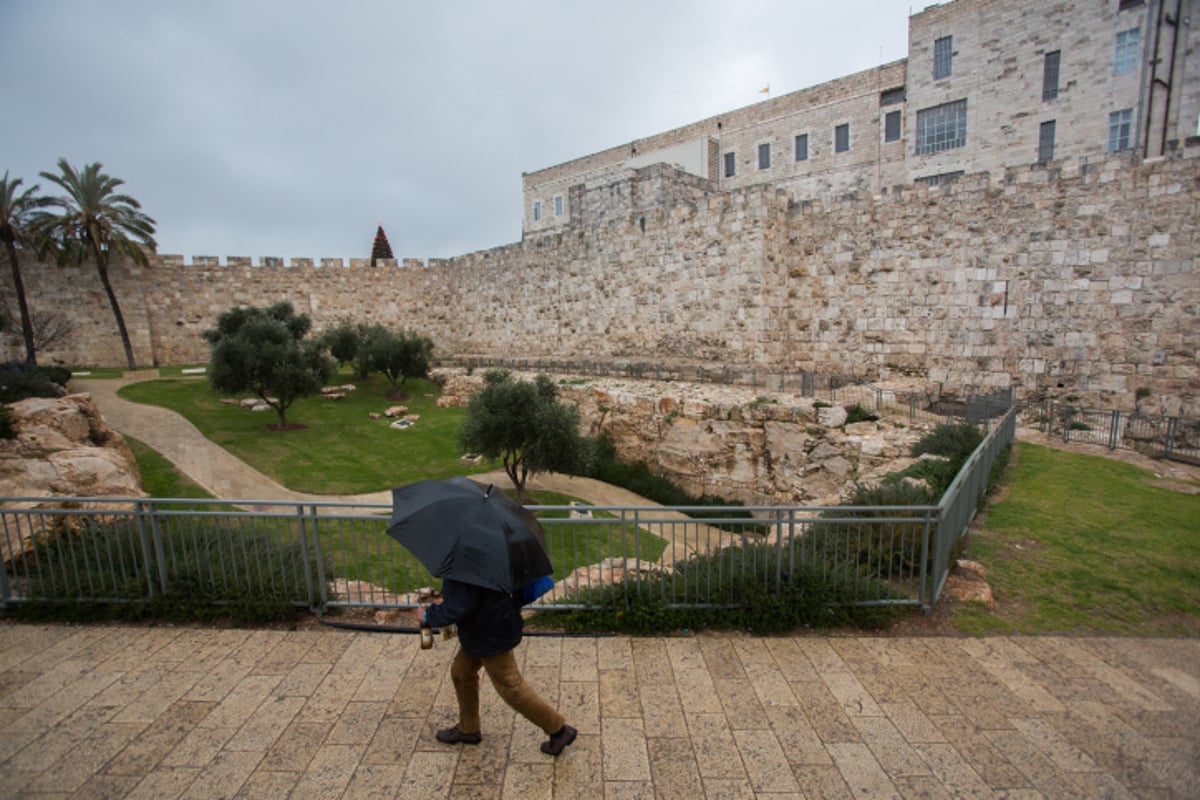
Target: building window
x,y
943,52
891,127
1046,142
1120,130
891,96
558,206
942,127
1050,75
802,147
940,178
764,156
1125,52
537,210
841,138
1127,4
730,165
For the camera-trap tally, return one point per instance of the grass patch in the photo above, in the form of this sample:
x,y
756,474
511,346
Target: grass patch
x,y
1084,544
340,449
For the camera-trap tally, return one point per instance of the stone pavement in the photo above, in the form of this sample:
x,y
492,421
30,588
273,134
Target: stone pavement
x,y
192,712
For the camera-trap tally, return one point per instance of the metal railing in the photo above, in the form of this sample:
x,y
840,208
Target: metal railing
x,y
323,555
1174,438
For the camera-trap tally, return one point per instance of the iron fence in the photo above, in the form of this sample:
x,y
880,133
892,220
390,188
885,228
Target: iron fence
x,y
1174,438
323,555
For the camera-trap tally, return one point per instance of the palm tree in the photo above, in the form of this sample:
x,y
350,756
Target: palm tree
x,y
94,220
18,213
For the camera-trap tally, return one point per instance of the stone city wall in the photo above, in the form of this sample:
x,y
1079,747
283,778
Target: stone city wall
x,y
1077,281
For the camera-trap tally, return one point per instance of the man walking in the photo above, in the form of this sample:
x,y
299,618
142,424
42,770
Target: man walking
x,y
489,629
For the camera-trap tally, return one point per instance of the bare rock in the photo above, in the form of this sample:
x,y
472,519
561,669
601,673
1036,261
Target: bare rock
x,y
63,448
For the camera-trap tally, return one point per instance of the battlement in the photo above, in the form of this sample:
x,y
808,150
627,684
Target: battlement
x,y
267,262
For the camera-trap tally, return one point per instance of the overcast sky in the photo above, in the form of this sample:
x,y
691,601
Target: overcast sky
x,y
289,128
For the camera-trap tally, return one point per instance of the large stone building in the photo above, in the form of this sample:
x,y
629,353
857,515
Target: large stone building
x,y
987,85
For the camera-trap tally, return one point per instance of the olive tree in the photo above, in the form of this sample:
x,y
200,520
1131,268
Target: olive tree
x,y
526,426
399,355
263,351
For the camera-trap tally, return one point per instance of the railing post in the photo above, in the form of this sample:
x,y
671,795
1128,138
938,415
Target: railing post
x,y
322,580
152,550
1169,442
778,552
1114,429
925,591
5,590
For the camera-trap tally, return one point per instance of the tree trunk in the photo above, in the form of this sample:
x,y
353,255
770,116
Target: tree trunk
x,y
102,267
26,320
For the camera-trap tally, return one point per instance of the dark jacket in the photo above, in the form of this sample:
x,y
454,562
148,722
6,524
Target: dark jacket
x,y
489,622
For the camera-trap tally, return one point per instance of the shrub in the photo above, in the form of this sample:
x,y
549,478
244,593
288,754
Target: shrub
x,y
955,441
212,573
873,541
857,413
741,582
19,381
7,430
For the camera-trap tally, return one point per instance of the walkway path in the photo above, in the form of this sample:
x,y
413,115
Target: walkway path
x,y
165,712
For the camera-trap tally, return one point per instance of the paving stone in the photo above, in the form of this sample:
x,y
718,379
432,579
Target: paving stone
x,y
765,762
624,745
673,767
579,771
266,716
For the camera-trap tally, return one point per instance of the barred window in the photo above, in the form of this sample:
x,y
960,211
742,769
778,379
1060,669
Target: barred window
x,y
802,147
558,206
943,52
764,156
730,164
1046,141
1050,75
1125,52
891,126
1120,130
891,96
537,210
942,127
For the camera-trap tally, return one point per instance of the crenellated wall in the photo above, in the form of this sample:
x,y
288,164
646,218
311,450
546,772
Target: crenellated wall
x,y
1079,279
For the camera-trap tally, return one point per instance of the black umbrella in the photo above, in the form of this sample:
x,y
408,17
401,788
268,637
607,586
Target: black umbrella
x,y
470,533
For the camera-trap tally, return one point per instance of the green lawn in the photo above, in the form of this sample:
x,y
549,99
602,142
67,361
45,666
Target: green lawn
x,y
339,449
1086,544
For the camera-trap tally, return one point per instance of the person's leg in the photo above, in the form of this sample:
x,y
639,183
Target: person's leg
x,y
464,673
513,689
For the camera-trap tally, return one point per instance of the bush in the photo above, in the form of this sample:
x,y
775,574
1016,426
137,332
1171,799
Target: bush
x,y
955,441
19,381
212,574
741,582
857,413
871,541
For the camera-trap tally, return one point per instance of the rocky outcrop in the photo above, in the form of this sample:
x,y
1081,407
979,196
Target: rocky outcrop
x,y
732,441
63,448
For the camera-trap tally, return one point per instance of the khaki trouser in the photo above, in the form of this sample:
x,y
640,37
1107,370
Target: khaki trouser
x,y
510,685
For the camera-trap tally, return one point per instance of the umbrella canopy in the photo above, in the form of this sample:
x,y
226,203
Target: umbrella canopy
x,y
470,533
